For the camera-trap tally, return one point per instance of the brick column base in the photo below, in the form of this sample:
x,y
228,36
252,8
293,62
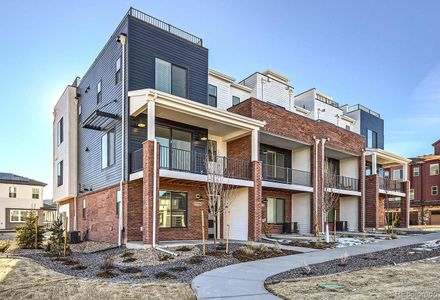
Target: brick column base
x,y
405,206
148,192
254,205
373,207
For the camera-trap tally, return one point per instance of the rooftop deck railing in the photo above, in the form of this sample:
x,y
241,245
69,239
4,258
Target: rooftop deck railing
x,y
165,26
361,107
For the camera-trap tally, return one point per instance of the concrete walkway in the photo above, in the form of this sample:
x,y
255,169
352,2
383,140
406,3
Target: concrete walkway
x,y
246,280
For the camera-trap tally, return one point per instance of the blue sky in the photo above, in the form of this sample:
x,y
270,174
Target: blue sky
x,y
383,54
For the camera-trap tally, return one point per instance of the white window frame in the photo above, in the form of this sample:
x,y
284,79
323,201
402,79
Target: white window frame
x,y
21,214
12,190
106,147
433,169
36,191
434,188
400,174
60,131
416,171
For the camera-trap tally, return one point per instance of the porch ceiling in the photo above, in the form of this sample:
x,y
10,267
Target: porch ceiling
x,y
280,142
333,153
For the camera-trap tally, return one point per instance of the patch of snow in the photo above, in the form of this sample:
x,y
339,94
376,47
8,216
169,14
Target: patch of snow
x,y
349,242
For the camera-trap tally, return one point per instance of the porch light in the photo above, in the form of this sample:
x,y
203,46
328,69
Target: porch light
x,y
204,138
141,124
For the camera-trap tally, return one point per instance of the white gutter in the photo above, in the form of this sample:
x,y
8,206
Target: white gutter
x,y
122,38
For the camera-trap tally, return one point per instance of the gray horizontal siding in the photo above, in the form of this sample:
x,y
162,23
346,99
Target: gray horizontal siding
x,y
368,121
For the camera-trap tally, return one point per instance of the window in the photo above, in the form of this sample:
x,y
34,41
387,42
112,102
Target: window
x,y
118,72
173,208
416,171
99,92
12,192
348,127
79,110
433,169
235,100
212,95
60,131
397,174
84,212
170,78
17,215
371,139
212,150
275,211
108,149
411,194
275,165
434,190
60,173
386,174
35,193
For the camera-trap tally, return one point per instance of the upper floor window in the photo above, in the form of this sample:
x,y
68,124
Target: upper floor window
x,y
416,171
108,149
12,192
170,78
35,193
397,174
411,194
118,72
371,139
60,131
99,92
235,100
60,173
212,95
433,169
434,190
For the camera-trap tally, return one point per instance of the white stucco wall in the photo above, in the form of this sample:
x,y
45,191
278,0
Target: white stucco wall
x,y
301,159
239,215
349,211
349,167
301,211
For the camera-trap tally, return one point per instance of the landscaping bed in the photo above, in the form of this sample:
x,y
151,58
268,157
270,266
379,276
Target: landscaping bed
x,y
358,262
151,265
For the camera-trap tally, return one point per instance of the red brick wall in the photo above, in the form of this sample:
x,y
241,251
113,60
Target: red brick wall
x,y
133,210
422,184
149,192
240,148
373,209
436,146
101,219
287,208
254,206
405,206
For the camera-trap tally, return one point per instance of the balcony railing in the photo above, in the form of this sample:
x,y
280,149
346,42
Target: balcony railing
x,y
195,162
392,185
165,26
364,108
343,183
286,175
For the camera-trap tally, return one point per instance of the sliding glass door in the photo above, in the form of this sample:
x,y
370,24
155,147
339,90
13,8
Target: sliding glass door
x,y
175,152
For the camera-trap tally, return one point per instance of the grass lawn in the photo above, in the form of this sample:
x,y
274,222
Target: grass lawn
x,y
407,281
24,279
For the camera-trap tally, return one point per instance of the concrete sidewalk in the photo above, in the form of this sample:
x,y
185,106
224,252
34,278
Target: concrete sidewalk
x,y
246,280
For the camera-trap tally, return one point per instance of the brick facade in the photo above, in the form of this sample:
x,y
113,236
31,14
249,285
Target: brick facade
x,y
255,201
287,196
405,206
373,205
149,192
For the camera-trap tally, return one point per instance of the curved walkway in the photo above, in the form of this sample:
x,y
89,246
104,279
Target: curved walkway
x,y
246,280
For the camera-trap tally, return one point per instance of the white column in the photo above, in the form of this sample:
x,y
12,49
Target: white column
x,y
405,172
254,150
374,164
151,124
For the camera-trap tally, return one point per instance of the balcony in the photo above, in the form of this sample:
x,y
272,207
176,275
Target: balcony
x,y
194,162
391,185
286,175
344,183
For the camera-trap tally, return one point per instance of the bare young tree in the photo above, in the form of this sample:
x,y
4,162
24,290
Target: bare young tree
x,y
219,191
331,197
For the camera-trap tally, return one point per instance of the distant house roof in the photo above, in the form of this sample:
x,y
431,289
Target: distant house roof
x,y
15,179
425,158
47,206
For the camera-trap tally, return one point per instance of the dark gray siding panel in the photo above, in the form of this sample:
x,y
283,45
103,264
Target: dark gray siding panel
x,y
146,42
89,141
374,123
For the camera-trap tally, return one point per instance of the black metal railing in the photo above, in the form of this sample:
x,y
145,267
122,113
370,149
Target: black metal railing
x,y
388,184
286,175
165,26
342,183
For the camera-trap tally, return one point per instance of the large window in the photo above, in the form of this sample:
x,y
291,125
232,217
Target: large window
x,y
416,171
434,190
17,215
12,192
275,163
99,92
108,149
60,131
175,151
275,211
118,72
397,174
212,95
371,139
35,193
173,209
235,100
170,78
433,169
60,173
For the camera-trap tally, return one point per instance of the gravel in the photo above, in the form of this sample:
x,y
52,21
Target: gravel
x,y
353,263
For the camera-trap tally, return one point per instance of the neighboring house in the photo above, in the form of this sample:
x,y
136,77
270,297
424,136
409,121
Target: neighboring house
x,y
18,196
149,111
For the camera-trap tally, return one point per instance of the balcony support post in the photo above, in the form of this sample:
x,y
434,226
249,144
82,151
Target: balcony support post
x,y
374,163
151,122
405,172
254,142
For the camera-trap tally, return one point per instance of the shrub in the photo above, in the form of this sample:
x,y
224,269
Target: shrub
x,y
165,275
26,232
221,247
184,249
277,248
4,245
393,236
107,274
131,270
129,260
55,245
247,250
127,254
344,259
306,269
108,263
267,230
195,260
164,257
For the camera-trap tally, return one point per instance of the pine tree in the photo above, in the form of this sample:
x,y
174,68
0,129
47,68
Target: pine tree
x,y
26,232
55,245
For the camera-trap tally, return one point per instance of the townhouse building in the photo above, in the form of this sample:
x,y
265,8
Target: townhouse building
x,y
150,116
18,196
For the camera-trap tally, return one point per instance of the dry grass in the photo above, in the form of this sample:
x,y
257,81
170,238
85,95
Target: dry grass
x,y
406,281
24,279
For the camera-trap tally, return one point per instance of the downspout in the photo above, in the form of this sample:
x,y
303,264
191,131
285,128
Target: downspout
x,y
317,141
122,38
363,189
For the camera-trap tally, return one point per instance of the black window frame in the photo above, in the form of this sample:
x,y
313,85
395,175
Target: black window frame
x,y
60,171
118,70
171,210
172,66
276,211
99,92
235,98
211,96
373,138
60,131
111,159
